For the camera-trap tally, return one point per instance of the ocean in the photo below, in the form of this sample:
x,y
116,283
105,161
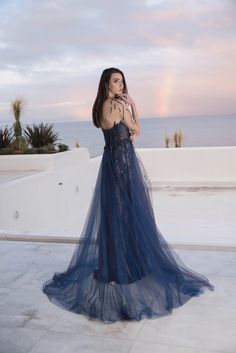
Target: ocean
x,y
198,131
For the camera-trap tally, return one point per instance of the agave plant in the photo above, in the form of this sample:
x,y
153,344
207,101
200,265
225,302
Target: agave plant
x,y
41,135
6,137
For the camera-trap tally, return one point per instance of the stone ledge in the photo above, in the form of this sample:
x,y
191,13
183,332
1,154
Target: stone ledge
x,y
229,184
74,240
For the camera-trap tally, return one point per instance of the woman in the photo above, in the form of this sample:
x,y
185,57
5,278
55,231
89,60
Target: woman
x,y
123,269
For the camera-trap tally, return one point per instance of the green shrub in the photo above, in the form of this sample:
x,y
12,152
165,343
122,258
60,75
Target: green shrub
x,y
31,151
41,150
6,150
62,147
47,149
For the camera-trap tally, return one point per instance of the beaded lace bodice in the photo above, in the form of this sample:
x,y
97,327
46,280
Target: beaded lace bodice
x,y
119,133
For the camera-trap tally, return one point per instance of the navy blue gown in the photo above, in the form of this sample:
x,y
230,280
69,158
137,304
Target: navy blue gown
x,y
122,268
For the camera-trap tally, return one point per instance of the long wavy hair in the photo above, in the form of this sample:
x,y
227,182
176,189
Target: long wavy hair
x,y
102,94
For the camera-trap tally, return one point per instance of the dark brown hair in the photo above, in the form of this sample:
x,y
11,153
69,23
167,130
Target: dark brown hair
x,y
103,92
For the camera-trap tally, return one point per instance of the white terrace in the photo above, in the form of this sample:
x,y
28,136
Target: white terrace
x,y
43,204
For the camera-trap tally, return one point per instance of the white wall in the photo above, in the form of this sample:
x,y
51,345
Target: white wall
x,y
42,162
63,186
60,190
187,166
191,166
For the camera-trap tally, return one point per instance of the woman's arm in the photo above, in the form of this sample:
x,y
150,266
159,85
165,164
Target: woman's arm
x,y
135,119
130,117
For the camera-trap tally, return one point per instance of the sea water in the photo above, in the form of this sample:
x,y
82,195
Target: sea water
x,y
200,131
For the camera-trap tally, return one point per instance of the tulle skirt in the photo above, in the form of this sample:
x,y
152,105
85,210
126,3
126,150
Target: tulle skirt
x,y
122,268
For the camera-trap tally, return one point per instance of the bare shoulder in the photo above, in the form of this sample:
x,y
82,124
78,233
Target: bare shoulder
x,y
111,104
111,113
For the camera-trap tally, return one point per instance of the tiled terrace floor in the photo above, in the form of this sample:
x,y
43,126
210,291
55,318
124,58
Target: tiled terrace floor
x,y
29,323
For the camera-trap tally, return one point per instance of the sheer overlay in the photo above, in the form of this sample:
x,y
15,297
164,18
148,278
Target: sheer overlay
x,y
122,268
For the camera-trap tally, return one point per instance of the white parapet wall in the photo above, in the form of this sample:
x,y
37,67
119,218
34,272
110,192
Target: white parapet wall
x,y
43,162
187,166
61,185
191,166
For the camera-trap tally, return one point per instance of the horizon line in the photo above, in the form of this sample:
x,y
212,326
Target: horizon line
x,y
141,118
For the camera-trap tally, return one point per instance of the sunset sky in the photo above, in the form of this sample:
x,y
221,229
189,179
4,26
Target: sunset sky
x,y
178,56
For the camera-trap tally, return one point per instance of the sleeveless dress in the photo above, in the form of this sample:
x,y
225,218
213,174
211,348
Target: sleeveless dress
x,y
122,268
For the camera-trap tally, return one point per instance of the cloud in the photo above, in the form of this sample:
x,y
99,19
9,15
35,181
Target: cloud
x,y
54,51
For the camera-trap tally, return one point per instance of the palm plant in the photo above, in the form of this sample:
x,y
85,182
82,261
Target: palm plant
x,y
41,135
6,137
17,106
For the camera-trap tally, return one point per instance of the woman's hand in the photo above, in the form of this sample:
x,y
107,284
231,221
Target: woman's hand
x,y
133,137
126,98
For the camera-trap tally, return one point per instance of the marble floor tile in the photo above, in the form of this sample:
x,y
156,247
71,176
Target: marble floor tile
x,y
55,342
205,324
74,323
141,347
7,247
209,263
4,292
199,332
21,340
28,308
15,278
